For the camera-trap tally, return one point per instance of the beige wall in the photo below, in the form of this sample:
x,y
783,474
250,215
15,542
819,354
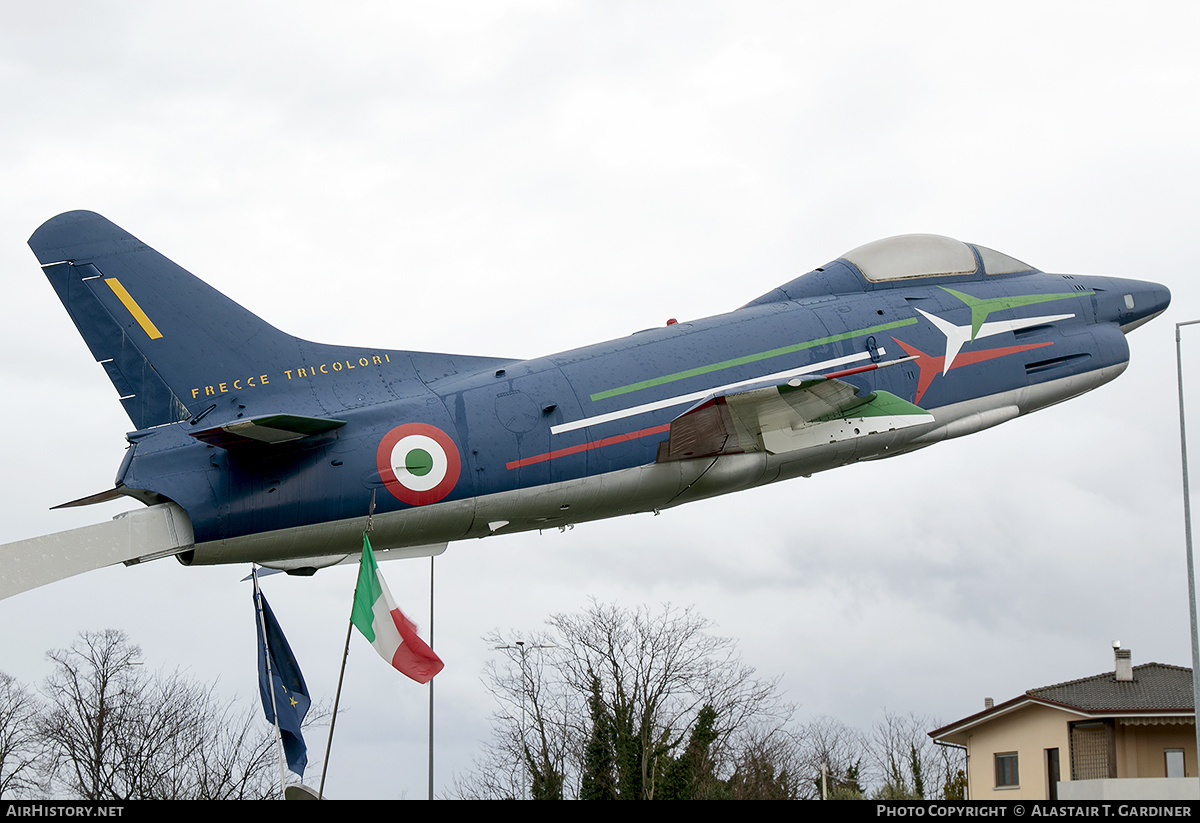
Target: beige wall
x,y
1140,749
1034,729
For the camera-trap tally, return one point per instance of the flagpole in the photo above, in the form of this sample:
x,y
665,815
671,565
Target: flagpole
x,y
345,655
337,699
266,652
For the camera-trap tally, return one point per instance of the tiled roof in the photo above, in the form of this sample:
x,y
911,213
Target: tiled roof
x,y
1155,687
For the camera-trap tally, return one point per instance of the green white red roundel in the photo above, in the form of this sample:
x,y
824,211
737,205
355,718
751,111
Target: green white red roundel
x,y
419,464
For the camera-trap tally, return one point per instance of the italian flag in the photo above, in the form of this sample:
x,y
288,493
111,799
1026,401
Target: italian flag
x,y
391,633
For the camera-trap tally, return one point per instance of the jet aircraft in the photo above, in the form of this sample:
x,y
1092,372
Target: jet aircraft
x,y
250,445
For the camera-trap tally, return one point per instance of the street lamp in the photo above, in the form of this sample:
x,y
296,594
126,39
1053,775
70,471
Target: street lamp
x,y
523,649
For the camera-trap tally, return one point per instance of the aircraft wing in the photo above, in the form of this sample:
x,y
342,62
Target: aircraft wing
x,y
799,414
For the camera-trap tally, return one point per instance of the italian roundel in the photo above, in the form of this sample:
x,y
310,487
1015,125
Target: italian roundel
x,y
419,464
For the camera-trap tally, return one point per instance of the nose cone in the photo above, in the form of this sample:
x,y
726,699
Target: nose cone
x,y
1142,303
1130,303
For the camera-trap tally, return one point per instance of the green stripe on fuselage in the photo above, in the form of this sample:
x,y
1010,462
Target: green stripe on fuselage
x,y
981,307
749,358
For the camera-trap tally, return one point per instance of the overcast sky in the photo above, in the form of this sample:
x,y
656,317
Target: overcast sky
x,y
515,179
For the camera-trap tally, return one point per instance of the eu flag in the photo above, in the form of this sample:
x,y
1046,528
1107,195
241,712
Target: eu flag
x,y
291,694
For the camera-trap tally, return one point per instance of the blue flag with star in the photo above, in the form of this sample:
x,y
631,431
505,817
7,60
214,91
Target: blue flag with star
x,y
291,694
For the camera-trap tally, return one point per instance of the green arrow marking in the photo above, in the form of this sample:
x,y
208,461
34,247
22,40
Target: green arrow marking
x,y
981,308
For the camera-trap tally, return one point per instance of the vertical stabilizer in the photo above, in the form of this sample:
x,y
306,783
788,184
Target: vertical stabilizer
x,y
155,328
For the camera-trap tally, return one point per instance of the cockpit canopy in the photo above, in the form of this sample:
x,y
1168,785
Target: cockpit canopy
x,y
893,259
927,255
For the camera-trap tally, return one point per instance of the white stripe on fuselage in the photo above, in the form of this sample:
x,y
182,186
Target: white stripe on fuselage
x,y
959,336
680,399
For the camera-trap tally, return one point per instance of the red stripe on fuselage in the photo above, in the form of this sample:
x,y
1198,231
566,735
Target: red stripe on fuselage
x,y
583,447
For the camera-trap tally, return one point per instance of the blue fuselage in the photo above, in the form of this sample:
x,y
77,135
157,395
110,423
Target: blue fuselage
x,y
555,423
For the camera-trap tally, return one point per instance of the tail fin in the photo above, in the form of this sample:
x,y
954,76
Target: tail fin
x,y
176,348
157,329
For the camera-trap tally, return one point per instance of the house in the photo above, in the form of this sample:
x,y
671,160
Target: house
x,y
1129,733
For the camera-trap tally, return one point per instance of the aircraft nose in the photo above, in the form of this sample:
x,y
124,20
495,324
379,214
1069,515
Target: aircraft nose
x,y
1132,303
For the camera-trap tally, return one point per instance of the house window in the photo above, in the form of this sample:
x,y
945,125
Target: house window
x,y
1174,762
1006,770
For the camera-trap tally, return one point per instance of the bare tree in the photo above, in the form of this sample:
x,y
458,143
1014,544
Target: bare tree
x,y
112,730
20,750
533,730
833,757
629,703
771,767
239,760
95,695
906,762
656,671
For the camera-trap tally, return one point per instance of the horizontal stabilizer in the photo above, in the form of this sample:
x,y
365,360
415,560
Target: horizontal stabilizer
x,y
143,534
92,499
269,428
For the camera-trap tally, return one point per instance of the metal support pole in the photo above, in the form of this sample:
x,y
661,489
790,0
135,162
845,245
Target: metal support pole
x,y
431,679
1187,533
